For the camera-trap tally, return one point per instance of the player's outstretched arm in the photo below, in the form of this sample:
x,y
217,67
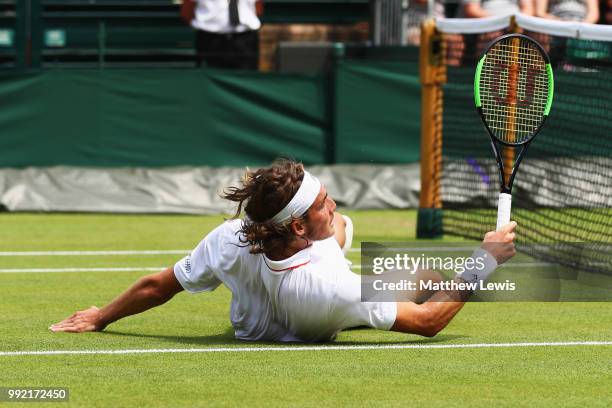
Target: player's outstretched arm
x,y
429,318
148,292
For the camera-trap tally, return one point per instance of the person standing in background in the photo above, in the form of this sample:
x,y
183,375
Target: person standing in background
x,y
488,8
585,11
227,32
473,46
417,13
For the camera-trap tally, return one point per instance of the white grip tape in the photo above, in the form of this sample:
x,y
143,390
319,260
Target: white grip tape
x,y
503,209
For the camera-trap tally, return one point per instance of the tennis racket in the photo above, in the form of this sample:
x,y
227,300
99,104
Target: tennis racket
x,y
513,92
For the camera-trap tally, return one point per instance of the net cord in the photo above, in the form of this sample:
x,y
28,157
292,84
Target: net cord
x,y
583,31
467,26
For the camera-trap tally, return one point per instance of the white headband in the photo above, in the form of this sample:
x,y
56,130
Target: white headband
x,y
301,201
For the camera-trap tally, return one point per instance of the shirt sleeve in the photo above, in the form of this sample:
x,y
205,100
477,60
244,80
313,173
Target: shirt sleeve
x,y
350,311
196,271
343,296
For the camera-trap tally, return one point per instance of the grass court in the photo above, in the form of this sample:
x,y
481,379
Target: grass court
x,y
363,367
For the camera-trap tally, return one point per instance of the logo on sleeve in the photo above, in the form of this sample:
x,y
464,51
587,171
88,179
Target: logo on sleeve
x,y
188,264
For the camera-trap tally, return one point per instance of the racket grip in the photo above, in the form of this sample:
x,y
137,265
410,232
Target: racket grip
x,y
503,209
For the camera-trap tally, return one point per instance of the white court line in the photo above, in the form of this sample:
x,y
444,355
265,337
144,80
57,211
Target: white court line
x,y
186,251
53,270
161,268
94,253
308,348
176,251
427,249
506,265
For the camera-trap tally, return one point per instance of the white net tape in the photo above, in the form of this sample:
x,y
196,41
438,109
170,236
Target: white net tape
x,y
584,31
472,25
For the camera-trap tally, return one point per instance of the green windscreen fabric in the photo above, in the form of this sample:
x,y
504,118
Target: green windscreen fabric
x,y
156,118
377,112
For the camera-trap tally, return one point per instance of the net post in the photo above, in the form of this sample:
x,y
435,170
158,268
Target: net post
x,y
432,72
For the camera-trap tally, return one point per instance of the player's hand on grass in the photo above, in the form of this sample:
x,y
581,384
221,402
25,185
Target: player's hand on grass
x,y
500,243
82,321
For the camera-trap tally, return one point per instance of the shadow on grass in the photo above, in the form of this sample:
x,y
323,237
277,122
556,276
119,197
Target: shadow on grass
x,y
227,339
440,338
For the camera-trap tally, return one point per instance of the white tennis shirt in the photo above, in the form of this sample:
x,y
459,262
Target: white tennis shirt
x,y
315,294
308,297
213,16
220,258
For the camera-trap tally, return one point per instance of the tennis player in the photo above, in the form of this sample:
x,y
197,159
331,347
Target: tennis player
x,y
284,265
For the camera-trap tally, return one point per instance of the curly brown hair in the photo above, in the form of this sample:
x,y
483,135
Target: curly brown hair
x,y
263,194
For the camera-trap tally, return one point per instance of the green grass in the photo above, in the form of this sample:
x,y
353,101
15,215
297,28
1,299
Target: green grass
x,y
538,376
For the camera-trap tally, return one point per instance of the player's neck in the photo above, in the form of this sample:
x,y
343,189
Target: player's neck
x,y
289,250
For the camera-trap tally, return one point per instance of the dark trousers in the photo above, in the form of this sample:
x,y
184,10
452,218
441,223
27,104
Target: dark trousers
x,y
228,51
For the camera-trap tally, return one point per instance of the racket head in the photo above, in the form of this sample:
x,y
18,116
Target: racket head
x,y
513,88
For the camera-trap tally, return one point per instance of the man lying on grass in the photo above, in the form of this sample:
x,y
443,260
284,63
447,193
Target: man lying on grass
x,y
286,270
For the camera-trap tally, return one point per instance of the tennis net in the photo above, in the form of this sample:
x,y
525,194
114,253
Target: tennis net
x,y
562,193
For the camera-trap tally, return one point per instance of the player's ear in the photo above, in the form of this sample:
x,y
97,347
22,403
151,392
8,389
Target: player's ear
x,y
298,227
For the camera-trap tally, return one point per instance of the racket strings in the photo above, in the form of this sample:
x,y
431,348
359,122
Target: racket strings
x,y
514,89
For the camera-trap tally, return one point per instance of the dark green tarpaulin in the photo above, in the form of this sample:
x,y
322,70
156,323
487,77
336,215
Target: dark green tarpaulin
x,y
159,118
151,118
378,112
